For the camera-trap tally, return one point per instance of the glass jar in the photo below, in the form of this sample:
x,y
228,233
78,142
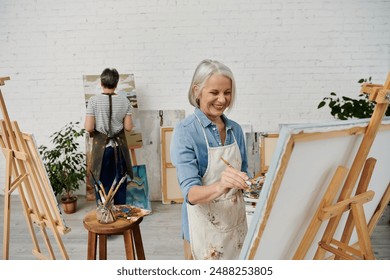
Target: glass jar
x,y
106,214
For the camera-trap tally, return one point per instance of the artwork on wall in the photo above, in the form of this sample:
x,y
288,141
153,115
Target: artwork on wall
x,y
126,87
137,193
304,165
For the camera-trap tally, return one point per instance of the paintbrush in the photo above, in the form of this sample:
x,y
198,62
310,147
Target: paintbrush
x,y
111,189
101,196
111,194
248,182
102,188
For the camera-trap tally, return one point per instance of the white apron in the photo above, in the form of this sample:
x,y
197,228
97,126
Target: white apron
x,y
218,228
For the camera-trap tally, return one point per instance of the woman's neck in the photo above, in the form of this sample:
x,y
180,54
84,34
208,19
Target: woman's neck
x,y
108,90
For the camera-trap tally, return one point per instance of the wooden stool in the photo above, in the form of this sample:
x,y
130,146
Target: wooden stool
x,y
129,229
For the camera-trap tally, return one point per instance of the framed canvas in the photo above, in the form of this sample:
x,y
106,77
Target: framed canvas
x,y
267,147
171,192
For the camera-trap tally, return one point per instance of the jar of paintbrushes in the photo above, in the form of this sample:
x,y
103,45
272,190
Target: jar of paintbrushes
x,y
105,212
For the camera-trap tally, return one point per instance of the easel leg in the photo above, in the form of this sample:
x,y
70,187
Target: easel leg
x,y
28,219
382,205
362,187
362,231
7,206
60,244
47,242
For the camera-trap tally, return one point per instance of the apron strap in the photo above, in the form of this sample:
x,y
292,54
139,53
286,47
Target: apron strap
x,y
204,132
113,138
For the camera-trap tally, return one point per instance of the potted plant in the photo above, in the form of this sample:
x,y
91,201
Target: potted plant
x,y
65,164
345,107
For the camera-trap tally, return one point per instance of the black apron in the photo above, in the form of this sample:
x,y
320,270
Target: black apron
x,y
100,141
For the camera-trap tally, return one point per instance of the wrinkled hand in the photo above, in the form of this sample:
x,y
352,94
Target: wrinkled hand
x,y
233,179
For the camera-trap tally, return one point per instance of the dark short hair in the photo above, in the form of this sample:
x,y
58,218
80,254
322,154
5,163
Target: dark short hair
x,y
109,78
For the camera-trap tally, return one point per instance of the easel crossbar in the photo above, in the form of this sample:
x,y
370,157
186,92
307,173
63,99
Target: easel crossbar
x,y
16,183
346,248
338,252
345,205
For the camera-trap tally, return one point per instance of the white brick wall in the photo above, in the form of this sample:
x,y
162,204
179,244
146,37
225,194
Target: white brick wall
x,y
286,55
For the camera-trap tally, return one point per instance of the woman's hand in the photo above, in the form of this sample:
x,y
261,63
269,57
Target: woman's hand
x,y
233,179
230,179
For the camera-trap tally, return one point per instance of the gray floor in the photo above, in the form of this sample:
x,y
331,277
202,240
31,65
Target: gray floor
x,y
160,232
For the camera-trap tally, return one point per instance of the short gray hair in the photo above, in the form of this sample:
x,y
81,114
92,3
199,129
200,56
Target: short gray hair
x,y
203,72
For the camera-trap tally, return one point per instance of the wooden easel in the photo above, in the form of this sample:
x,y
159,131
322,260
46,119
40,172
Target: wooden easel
x,y
328,210
25,172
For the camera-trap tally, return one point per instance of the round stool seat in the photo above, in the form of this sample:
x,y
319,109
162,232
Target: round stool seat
x,y
118,227
128,228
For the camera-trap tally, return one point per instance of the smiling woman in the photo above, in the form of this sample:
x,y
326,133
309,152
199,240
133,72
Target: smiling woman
x,y
214,98
213,215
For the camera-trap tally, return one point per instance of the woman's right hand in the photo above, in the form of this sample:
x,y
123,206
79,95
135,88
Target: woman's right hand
x,y
233,179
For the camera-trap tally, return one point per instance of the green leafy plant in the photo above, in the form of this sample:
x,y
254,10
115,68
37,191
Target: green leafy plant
x,y
64,163
346,108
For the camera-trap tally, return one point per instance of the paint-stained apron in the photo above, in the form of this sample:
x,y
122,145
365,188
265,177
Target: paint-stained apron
x,y
218,228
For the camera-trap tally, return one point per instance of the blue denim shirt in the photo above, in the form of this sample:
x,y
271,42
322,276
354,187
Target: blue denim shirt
x,y
189,152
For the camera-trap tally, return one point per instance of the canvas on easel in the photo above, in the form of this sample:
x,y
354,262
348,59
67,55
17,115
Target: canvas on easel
x,y
25,173
326,188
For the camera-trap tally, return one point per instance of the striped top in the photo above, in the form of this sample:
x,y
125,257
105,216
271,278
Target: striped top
x,y
99,107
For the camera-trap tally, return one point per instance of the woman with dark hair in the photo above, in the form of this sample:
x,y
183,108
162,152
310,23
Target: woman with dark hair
x,y
108,115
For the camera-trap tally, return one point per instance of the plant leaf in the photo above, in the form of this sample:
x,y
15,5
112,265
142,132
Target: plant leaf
x,y
322,104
